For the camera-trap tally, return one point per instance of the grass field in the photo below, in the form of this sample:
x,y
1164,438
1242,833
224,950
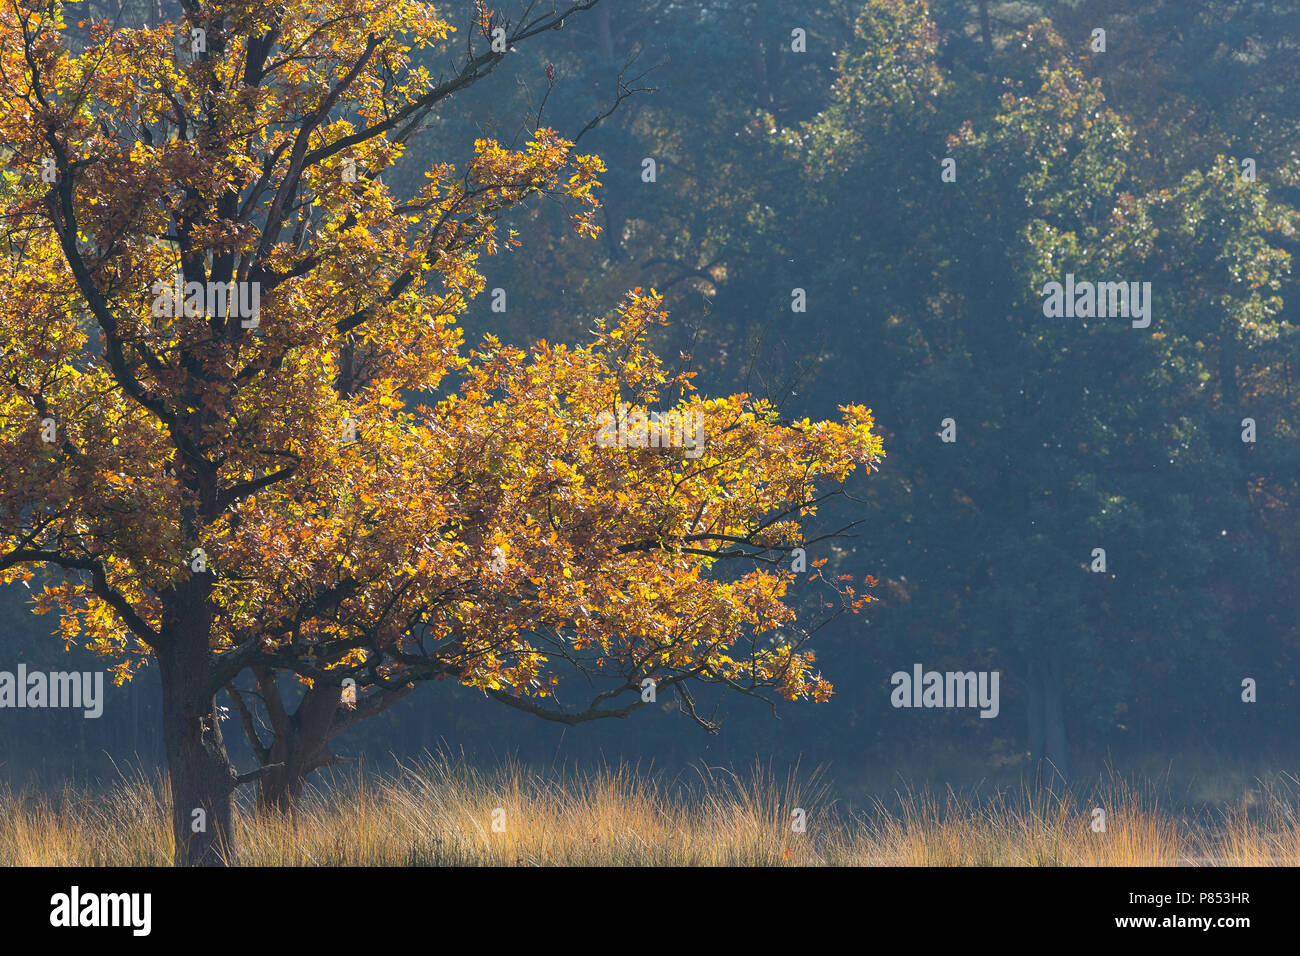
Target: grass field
x,y
439,812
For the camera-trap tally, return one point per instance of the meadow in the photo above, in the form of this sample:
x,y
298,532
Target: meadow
x,y
438,811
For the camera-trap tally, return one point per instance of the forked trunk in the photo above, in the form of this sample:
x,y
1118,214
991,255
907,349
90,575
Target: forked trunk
x,y
300,741
300,745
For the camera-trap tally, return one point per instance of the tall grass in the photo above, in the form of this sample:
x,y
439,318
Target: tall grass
x,y
439,811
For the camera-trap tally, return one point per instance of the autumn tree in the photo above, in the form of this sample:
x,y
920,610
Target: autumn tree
x,y
214,315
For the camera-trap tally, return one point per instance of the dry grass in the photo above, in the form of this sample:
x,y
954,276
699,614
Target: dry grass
x,y
440,812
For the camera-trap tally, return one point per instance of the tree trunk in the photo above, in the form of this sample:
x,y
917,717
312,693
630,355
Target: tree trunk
x,y
1034,714
758,57
300,742
280,789
202,776
1056,747
300,746
613,231
1048,745
604,34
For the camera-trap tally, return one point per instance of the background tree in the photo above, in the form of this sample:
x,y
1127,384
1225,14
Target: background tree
x,y
937,286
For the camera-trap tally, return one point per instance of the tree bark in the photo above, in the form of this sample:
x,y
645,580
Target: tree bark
x,y
300,745
202,776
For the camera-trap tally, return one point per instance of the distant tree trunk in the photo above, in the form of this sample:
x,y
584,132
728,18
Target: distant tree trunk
x,y
613,220
135,721
604,34
762,87
773,54
986,29
1048,745
1056,748
613,231
1034,714
1230,385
